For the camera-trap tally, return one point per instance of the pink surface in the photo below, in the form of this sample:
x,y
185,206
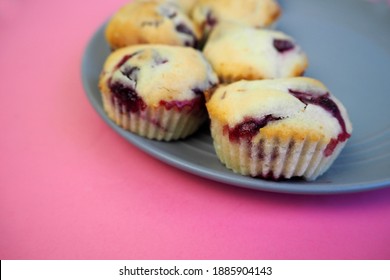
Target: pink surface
x,y
71,188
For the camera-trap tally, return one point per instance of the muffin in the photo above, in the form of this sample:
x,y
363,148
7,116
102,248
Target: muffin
x,y
278,129
258,13
156,91
151,22
239,52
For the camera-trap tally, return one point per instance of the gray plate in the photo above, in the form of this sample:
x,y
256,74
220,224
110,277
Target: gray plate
x,y
348,44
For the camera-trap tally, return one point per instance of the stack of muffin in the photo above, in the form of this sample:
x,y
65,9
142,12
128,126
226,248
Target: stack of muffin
x,y
177,63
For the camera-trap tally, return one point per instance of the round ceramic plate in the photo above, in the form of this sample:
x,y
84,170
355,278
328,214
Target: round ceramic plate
x,y
348,45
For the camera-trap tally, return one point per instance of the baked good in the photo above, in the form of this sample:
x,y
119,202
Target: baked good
x,y
281,128
238,52
186,5
151,22
156,91
206,14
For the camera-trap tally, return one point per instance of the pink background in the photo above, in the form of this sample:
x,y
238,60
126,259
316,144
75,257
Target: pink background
x,y
71,188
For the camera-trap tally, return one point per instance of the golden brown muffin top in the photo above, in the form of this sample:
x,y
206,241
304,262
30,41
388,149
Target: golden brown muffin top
x,y
158,73
291,107
258,13
151,22
238,52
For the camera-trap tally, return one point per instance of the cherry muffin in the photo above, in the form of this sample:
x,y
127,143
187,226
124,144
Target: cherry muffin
x,y
206,14
156,91
151,22
239,52
278,129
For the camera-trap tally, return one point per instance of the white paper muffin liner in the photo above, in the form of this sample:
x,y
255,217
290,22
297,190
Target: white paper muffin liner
x,y
156,123
274,157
